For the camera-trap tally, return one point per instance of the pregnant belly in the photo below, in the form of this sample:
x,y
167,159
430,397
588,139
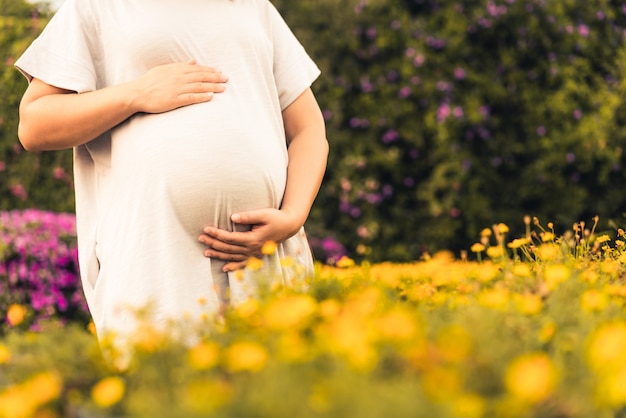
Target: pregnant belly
x,y
201,168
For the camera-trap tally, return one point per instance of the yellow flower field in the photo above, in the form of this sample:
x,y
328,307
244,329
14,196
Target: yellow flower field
x,y
529,327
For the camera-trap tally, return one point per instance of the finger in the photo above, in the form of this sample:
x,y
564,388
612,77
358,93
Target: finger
x,y
254,217
229,257
221,246
234,266
194,87
228,237
206,74
193,98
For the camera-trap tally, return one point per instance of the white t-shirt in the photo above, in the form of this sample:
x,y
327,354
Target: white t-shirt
x,y
145,190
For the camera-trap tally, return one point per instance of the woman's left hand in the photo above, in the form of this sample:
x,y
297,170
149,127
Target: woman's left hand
x,y
235,248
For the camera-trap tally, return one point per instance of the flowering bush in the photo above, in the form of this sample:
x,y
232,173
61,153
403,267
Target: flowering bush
x,y
39,265
535,329
447,115
443,116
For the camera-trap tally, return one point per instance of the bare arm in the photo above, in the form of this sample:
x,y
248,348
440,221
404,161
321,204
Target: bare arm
x,y
308,153
52,118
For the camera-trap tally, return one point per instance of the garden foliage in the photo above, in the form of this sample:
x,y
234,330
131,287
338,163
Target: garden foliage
x,y
535,329
443,116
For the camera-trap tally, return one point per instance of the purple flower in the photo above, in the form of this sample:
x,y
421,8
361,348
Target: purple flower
x,y
443,112
40,265
404,92
390,136
577,114
419,60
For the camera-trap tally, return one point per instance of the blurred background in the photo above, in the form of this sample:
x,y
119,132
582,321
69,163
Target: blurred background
x,y
444,118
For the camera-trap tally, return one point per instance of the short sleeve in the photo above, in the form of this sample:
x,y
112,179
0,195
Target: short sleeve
x,y
65,55
294,70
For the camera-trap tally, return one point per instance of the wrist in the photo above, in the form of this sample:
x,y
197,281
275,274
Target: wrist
x,y
296,219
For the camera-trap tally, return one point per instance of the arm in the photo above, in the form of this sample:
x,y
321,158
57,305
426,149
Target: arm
x,y
308,153
52,118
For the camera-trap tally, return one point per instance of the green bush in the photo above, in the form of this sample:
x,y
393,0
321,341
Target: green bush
x,y
41,180
443,116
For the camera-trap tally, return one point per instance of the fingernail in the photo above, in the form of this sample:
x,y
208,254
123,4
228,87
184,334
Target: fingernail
x,y
236,217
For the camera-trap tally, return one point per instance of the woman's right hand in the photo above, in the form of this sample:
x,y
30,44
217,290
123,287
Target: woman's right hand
x,y
53,118
170,86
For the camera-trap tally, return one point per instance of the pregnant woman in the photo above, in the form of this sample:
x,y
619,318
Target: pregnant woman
x,y
196,139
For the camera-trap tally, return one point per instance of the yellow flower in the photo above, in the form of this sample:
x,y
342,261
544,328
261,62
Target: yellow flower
x,y
529,304
477,248
610,267
547,252
92,328
531,377
204,356
148,338
497,299
518,243
329,308
485,233
502,228
397,324
547,237
289,312
603,238
495,252
612,389
16,314
555,274
593,300
108,391
522,270
246,356
16,403
590,276
605,351
5,354
254,264
247,309
486,272
44,387
345,262
269,248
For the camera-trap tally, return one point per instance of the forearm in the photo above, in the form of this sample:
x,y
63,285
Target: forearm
x,y
308,153
52,118
59,121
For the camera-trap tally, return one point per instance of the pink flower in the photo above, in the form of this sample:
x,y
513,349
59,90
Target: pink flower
x,y
443,112
18,191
